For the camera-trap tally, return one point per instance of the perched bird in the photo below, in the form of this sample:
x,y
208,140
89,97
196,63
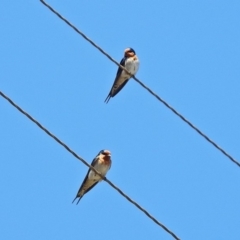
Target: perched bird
x,y
102,163
131,63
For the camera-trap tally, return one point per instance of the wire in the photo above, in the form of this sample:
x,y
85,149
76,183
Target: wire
x,y
144,86
84,162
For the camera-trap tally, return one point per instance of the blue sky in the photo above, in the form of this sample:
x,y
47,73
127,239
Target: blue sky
x,y
189,53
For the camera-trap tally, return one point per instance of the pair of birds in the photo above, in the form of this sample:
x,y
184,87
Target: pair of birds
x,y
102,162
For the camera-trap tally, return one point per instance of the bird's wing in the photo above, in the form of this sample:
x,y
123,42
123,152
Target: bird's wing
x,y
119,71
119,81
118,87
86,182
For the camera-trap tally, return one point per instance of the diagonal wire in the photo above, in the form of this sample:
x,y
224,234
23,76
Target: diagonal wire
x,y
84,162
144,86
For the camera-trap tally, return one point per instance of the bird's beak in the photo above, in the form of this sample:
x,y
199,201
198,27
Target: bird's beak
x,y
108,153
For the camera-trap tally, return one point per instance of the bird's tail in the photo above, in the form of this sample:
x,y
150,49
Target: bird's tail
x,y
108,98
76,198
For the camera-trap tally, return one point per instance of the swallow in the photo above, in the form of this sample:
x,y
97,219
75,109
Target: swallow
x,y
131,63
102,163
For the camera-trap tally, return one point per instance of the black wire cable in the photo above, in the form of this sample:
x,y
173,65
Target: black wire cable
x,y
84,162
144,86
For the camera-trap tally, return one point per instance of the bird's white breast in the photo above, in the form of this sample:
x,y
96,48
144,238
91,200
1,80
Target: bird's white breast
x,y
132,65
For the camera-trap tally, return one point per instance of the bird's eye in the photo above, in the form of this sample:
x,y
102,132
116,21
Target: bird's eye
x,y
102,152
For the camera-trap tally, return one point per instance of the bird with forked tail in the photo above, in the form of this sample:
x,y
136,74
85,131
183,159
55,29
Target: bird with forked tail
x,y
131,62
102,163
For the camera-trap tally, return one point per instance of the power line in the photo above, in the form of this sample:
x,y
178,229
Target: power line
x,y
144,86
88,165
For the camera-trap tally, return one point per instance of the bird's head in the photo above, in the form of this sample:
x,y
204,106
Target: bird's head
x,y
129,52
105,153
